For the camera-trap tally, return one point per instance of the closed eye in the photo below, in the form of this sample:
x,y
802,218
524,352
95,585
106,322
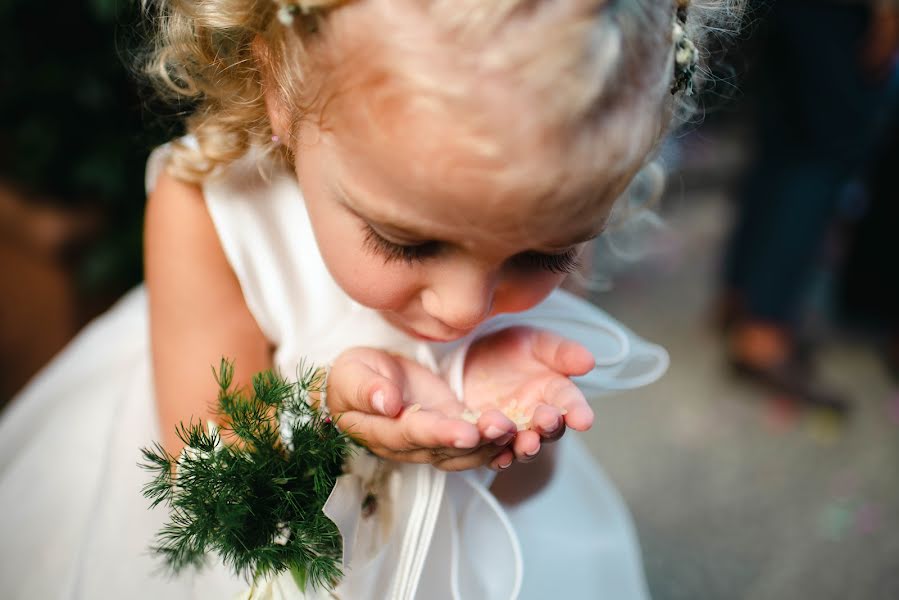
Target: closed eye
x,y
565,262
392,252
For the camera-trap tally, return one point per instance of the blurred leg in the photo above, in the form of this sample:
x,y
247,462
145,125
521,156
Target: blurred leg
x,y
817,121
869,282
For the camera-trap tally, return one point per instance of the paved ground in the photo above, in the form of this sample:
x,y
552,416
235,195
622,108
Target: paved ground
x,y
735,494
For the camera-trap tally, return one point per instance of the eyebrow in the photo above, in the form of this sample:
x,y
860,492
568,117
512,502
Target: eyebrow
x,y
402,231
582,238
351,205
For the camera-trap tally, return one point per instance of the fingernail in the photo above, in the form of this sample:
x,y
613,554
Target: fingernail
x,y
504,440
532,453
505,466
463,445
493,432
554,429
377,401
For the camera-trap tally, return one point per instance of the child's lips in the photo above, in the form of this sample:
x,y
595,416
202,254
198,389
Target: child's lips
x,y
440,339
445,335
428,338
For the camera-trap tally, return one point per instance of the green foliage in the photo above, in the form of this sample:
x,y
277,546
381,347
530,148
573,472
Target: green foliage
x,y
246,495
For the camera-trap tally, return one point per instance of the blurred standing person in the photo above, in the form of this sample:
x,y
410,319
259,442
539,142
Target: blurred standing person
x,y
823,72
869,286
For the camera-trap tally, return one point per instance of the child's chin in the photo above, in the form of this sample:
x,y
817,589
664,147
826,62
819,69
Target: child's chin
x,y
432,339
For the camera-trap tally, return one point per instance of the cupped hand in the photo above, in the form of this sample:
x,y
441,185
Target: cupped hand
x,y
403,412
517,386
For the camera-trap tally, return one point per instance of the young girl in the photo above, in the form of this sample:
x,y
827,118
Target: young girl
x,y
394,189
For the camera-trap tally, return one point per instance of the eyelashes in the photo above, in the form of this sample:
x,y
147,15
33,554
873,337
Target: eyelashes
x,y
392,252
566,262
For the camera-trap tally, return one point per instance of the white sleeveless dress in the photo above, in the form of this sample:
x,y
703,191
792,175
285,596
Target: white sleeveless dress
x,y
75,525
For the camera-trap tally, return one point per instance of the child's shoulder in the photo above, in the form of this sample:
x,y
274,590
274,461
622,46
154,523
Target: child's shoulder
x,y
175,207
248,219
180,240
194,220
252,172
159,161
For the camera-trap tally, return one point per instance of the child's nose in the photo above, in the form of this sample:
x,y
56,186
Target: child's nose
x,y
461,300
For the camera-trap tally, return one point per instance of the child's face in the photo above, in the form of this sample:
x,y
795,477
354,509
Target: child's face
x,y
416,226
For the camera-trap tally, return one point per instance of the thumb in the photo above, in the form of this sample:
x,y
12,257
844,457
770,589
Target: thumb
x,y
356,383
561,354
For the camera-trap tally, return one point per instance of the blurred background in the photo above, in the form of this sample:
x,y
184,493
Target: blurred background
x,y
75,130
765,464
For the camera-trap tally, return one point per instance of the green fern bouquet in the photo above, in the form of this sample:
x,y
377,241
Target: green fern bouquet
x,y
252,492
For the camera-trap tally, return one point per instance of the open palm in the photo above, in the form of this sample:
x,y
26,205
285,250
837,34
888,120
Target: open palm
x,y
518,380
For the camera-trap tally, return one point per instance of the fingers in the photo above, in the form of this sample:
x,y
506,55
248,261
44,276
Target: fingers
x,y
412,431
503,460
496,427
560,354
372,431
526,446
548,422
430,429
365,381
564,394
481,457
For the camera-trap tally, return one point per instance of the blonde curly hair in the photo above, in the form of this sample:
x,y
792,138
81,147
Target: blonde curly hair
x,y
597,69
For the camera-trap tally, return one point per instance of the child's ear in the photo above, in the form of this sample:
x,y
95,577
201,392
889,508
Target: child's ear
x,y
278,115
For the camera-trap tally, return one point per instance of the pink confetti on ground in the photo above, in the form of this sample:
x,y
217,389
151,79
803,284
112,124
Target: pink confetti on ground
x,y
781,413
893,408
867,519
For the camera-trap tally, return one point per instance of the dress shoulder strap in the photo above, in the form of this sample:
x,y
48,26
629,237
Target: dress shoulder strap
x,y
260,218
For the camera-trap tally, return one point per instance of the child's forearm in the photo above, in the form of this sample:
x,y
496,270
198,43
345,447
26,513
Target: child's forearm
x,y
189,394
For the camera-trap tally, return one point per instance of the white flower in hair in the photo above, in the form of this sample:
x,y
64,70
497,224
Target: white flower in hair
x,y
286,13
685,51
289,9
686,57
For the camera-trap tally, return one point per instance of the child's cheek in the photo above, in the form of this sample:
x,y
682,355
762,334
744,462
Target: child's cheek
x,y
362,275
520,294
370,282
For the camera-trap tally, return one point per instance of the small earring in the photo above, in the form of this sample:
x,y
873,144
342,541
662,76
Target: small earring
x,y
276,140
